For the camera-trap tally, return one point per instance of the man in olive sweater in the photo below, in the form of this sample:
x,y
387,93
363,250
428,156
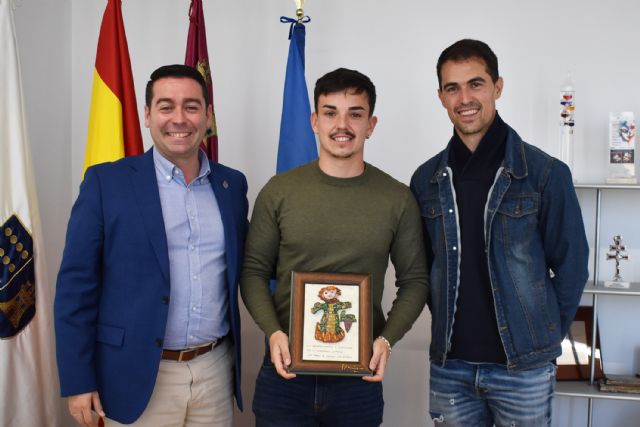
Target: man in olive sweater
x,y
335,215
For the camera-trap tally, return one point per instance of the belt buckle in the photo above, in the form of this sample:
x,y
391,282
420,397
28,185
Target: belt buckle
x,y
180,355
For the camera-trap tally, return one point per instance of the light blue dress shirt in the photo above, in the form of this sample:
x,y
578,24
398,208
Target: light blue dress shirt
x,y
198,301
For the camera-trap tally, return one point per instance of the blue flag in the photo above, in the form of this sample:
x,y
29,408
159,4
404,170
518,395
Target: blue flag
x,y
297,144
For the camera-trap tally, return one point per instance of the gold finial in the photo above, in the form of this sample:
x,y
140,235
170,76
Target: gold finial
x,y
299,9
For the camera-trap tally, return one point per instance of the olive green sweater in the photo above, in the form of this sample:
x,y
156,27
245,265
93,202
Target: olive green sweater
x,y
305,220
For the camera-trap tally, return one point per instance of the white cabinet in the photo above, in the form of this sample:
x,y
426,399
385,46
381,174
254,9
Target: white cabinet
x,y
589,390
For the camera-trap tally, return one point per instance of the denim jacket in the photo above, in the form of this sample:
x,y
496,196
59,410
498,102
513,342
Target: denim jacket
x,y
535,245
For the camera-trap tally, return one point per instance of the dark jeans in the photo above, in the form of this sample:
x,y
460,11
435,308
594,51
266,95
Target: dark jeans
x,y
313,401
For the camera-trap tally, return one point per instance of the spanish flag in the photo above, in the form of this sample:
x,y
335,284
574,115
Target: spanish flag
x,y
114,127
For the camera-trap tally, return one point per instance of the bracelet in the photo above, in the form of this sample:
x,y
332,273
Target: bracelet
x,y
380,337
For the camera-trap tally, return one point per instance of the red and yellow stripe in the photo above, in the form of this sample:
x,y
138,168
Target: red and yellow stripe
x,y
114,126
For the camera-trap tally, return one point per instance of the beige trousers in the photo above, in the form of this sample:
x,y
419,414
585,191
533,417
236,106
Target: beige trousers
x,y
191,394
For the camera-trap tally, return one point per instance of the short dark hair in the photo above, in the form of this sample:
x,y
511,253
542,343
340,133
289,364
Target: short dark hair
x,y
465,49
344,79
175,70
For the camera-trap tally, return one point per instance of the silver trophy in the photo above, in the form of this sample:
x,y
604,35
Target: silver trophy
x,y
619,254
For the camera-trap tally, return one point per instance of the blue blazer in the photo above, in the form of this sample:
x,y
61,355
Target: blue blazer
x,y
112,295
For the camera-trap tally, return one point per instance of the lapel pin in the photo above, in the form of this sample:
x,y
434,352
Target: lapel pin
x,y
225,184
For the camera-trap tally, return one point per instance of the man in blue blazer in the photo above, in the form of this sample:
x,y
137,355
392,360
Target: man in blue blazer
x,y
146,309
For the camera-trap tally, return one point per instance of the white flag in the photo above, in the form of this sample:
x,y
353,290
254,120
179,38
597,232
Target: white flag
x,y
29,392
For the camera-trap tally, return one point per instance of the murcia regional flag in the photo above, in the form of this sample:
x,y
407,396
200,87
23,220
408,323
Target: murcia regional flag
x,y
197,57
114,127
28,378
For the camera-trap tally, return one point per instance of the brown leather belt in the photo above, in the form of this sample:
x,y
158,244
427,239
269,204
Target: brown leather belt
x,y
189,354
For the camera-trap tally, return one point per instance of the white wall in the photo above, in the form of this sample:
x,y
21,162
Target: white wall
x,y
45,58
397,45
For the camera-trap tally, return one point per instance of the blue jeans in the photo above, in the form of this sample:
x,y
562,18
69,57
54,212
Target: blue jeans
x,y
484,394
312,401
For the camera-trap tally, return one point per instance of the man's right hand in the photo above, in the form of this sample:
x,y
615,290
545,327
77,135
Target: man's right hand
x,y
81,405
280,356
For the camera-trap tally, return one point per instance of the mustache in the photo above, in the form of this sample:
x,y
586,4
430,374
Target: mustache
x,y
343,132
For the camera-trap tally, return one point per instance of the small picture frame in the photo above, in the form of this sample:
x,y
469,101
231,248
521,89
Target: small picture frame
x,y
330,330
573,364
622,147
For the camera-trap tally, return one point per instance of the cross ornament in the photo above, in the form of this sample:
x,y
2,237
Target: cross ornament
x,y
619,254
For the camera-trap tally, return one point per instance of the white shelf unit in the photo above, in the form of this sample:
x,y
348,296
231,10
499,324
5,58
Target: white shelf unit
x,y
589,390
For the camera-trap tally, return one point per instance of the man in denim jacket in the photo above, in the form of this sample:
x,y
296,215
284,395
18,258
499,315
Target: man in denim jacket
x,y
507,253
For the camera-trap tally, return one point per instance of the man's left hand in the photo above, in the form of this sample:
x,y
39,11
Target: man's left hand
x,y
379,360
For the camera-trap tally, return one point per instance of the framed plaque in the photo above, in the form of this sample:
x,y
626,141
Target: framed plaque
x,y
330,327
